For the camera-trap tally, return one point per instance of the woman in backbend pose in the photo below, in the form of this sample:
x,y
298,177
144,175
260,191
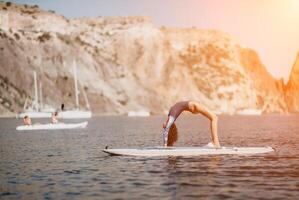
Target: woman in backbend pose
x,y
195,108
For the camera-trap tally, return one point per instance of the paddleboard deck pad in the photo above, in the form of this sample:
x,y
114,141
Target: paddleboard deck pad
x,y
187,151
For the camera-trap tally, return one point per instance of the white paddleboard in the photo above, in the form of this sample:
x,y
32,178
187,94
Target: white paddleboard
x,y
51,126
187,151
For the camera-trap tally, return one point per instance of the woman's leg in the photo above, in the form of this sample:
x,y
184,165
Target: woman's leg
x,y
198,108
214,131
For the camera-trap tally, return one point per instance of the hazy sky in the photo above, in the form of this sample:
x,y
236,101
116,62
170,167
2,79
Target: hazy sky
x,y
271,27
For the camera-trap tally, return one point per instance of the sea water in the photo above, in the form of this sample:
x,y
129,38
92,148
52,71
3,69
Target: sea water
x,y
69,164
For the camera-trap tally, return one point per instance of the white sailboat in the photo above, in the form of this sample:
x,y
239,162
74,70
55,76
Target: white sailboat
x,y
37,110
77,112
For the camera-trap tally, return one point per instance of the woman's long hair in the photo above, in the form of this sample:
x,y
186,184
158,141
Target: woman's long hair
x,y
172,135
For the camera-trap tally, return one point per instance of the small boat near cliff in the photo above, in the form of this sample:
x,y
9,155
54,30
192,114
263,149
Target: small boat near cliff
x,y
37,109
77,113
51,126
249,111
141,113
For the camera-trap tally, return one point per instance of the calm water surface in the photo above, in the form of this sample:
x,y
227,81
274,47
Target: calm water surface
x,y
70,164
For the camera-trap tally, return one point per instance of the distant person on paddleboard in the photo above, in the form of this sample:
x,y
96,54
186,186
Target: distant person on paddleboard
x,y
54,119
27,120
195,108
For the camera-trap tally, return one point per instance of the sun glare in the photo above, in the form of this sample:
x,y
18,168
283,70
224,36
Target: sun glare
x,y
295,4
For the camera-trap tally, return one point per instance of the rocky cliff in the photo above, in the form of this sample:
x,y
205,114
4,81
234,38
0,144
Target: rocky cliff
x,y
292,88
126,63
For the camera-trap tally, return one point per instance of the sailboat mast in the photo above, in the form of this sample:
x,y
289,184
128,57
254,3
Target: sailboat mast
x,y
86,99
35,90
76,84
41,95
25,104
